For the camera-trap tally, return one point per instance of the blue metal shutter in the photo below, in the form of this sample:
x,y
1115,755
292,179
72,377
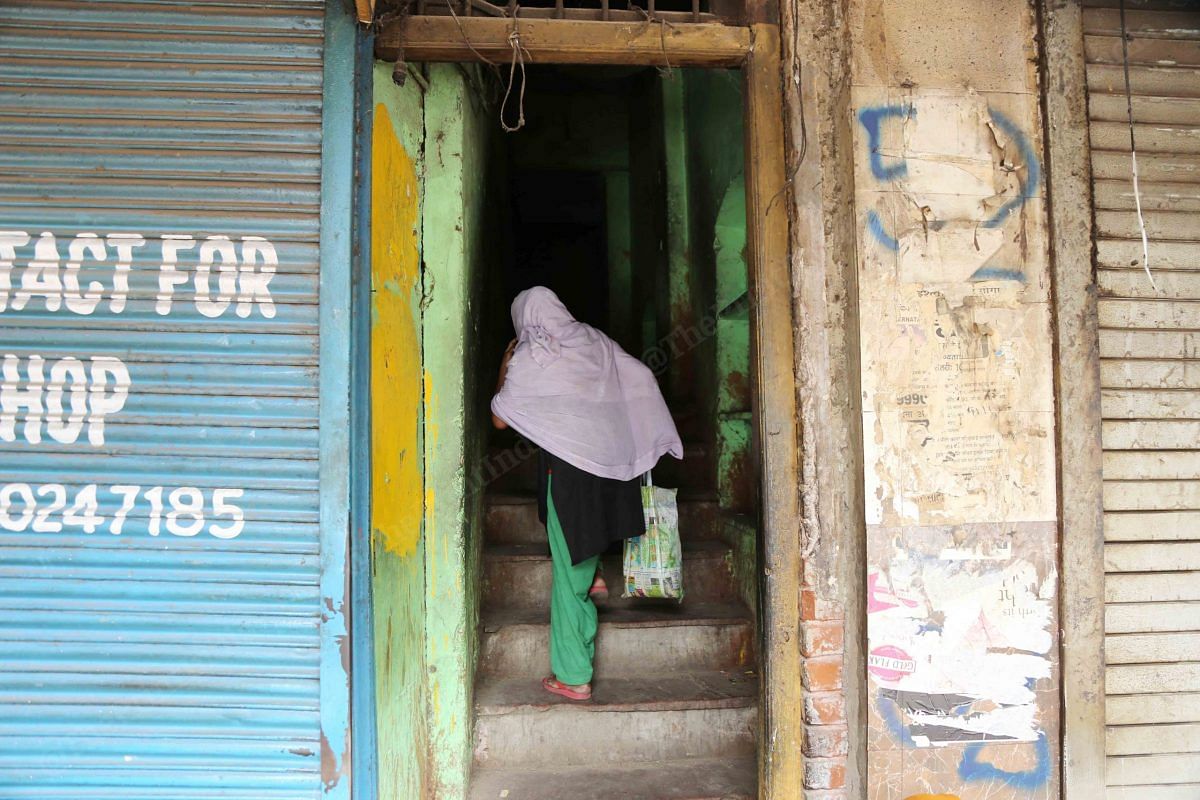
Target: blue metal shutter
x,y
174,147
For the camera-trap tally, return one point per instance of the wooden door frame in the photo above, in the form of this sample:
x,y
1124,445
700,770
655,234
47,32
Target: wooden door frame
x,y
754,49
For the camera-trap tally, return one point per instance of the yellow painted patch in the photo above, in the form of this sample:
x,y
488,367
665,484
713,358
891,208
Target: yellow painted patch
x,y
395,348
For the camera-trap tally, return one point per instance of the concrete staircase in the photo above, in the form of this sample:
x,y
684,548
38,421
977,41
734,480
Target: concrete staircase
x,y
673,714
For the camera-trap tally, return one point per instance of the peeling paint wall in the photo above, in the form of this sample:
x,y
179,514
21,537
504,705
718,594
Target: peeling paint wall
x,y
957,399
397,544
456,128
717,291
427,247
717,276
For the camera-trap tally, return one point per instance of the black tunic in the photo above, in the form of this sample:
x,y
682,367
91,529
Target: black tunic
x,y
594,512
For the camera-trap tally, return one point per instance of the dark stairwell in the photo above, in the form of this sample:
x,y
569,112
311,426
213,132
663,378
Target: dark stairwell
x,y
674,710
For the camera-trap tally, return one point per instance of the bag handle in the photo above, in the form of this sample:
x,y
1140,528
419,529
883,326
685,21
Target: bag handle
x,y
653,498
654,540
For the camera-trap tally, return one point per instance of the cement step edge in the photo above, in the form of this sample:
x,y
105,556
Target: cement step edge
x,y
675,691
683,779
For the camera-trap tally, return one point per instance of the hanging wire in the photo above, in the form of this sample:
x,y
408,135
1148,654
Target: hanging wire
x,y
651,18
467,40
519,52
1137,192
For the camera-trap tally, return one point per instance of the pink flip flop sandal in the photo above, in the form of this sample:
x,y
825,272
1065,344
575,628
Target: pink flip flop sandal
x,y
554,686
599,591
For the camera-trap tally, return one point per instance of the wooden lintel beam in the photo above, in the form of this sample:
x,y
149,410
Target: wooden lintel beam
x,y
490,9
557,41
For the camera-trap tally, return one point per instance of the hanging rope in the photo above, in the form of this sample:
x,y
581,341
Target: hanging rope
x,y
1137,192
467,40
666,70
669,71
518,57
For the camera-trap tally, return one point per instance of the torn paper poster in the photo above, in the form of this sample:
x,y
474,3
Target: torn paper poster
x,y
961,630
959,419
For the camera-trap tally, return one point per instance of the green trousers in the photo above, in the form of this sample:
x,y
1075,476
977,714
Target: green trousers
x,y
572,613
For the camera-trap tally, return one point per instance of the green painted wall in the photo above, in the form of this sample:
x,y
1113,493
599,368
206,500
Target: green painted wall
x,y
736,485
712,110
433,240
684,284
428,245
704,269
457,125
713,118
397,488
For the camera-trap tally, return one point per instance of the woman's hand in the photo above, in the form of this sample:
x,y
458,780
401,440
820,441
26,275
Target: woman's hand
x,y
508,354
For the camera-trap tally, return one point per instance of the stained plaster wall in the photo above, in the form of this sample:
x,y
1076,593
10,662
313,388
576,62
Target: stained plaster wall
x,y
684,281
958,417
718,308
397,504
455,246
427,251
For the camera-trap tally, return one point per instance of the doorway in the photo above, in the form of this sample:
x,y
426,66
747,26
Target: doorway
x,y
610,197
627,194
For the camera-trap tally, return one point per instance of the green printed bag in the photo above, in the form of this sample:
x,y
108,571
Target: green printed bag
x,y
654,560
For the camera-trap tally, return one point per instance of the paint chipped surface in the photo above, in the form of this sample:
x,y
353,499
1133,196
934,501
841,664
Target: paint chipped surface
x,y
957,389
398,549
395,348
961,632
958,413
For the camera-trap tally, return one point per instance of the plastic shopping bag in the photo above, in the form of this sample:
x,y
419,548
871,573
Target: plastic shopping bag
x,y
654,560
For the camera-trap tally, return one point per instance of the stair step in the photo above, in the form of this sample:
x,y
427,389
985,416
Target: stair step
x,y
695,469
657,637
690,779
688,715
513,518
520,575
673,691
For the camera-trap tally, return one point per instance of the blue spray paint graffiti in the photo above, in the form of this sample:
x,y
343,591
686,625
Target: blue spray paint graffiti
x,y
986,273
889,711
972,769
875,226
1033,169
872,119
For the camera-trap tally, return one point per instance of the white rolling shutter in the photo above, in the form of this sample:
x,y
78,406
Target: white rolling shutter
x,y
1150,374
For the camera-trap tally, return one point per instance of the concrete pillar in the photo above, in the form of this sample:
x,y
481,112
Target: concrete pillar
x,y
958,407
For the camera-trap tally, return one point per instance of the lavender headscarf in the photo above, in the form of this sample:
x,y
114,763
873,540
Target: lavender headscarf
x,y
574,392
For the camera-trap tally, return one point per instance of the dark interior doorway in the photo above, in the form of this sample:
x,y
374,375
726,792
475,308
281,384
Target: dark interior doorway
x,y
559,227
624,194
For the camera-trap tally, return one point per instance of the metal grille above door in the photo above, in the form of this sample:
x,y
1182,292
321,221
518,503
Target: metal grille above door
x,y
160,545
1150,374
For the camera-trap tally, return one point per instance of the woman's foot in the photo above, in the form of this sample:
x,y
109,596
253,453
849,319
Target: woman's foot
x,y
582,691
599,590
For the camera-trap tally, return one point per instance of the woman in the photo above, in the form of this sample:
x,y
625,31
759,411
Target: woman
x,y
601,421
